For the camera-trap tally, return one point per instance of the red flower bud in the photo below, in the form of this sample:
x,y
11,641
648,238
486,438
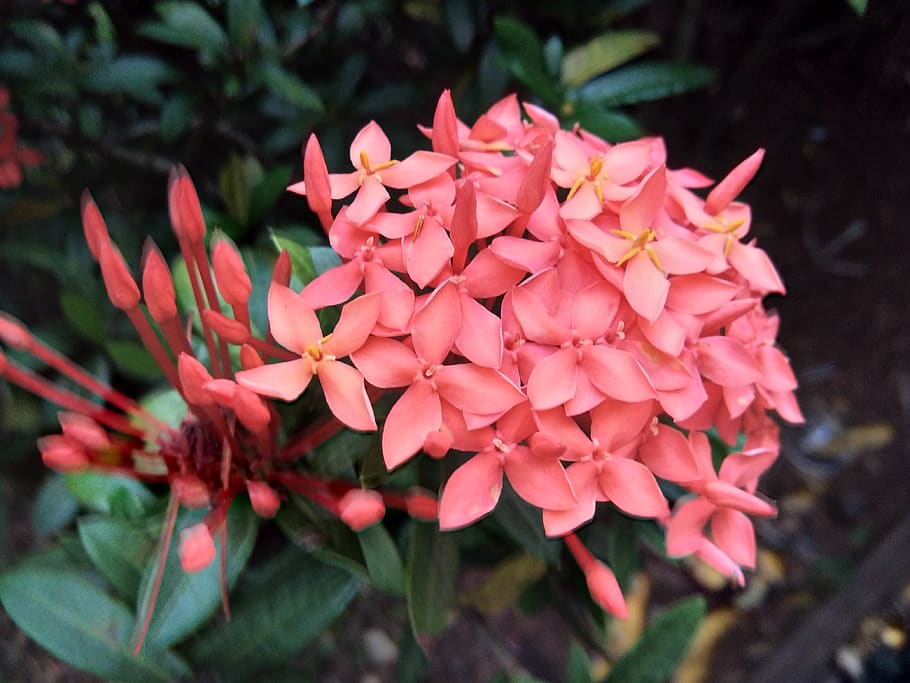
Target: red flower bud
x,y
63,454
605,589
191,491
249,358
232,331
361,508
263,498
281,275
422,506
193,378
316,177
196,548
13,332
121,287
93,225
157,285
183,206
230,273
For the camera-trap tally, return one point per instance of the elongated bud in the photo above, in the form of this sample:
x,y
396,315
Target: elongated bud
x,y
232,331
251,410
191,491
183,206
735,182
249,358
316,177
282,273
193,378
222,391
157,285
230,273
196,548
121,287
421,505
84,430
63,454
13,333
445,126
263,498
93,225
605,589
361,508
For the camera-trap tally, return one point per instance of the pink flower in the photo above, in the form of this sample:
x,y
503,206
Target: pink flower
x,y
296,327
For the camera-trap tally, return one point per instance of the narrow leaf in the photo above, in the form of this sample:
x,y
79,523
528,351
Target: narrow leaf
x,y
604,52
643,82
382,558
109,494
119,549
432,567
54,507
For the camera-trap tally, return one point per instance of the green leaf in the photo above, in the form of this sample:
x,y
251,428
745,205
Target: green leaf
x,y
644,82
235,181
243,22
611,125
110,494
661,648
80,624
604,52
432,568
459,20
382,558
134,358
186,24
510,579
83,315
858,6
517,520
136,75
119,549
176,115
54,506
287,86
167,405
282,608
523,55
301,262
270,188
578,666
186,600
40,35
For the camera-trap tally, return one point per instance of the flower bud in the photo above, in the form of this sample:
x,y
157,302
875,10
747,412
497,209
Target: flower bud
x,y
84,430
121,287
63,454
230,273
263,498
605,589
193,378
361,508
316,177
422,506
251,410
183,206
250,358
196,548
13,332
191,491
157,285
437,443
231,331
93,225
282,273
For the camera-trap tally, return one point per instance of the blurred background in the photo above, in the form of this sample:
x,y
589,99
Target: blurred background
x,y
109,95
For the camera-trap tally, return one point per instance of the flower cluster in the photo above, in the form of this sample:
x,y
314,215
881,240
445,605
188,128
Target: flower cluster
x,y
549,304
13,156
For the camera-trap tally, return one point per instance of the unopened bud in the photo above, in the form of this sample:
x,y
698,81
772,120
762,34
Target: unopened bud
x,y
196,548
263,498
63,454
183,206
191,491
230,273
734,183
93,225
121,287
83,430
437,443
251,410
605,589
316,177
281,275
13,332
422,506
157,285
231,331
361,508
250,358
193,378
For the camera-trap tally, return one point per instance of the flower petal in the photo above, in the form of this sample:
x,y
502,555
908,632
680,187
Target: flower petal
x,y
386,363
733,533
354,326
278,380
471,491
414,415
632,488
616,373
346,395
539,481
292,322
553,380
478,390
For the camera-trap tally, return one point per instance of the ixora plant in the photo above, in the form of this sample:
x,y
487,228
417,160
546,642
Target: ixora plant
x,y
523,304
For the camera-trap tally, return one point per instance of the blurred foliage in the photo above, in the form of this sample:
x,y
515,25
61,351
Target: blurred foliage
x,y
114,94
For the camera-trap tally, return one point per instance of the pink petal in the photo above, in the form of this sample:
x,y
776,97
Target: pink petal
x,y
665,333
346,395
354,326
586,396
372,141
684,531
536,180
536,320
539,481
279,380
496,213
777,375
583,478
526,254
668,455
681,256
726,495
593,310
414,415
725,361
386,363
733,533
342,184
334,286
557,425
632,488
645,287
436,326
429,252
488,276
744,469
292,322
699,293
616,373
397,298
754,265
478,390
417,168
480,338
616,424
638,213
471,491
371,197
552,382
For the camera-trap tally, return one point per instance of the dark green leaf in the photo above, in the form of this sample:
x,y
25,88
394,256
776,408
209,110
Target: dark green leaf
x,y
606,51
517,520
432,568
134,358
382,558
185,600
858,6
287,86
578,666
80,624
186,24
176,115
107,493
54,506
91,121
235,181
610,125
243,22
301,262
662,646
83,315
518,41
284,607
119,549
40,35
270,188
167,405
460,22
136,75
643,82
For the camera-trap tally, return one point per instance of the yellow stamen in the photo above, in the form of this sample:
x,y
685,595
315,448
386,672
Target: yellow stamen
x,y
364,161
419,225
639,243
575,187
597,164
598,190
656,261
